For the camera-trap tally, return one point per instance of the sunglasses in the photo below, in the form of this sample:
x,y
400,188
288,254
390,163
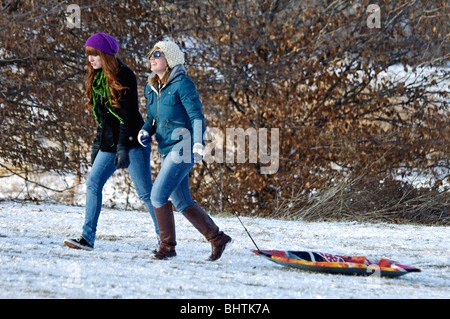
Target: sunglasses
x,y
156,55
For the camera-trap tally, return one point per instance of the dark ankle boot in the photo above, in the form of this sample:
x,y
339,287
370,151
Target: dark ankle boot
x,y
166,224
206,226
218,245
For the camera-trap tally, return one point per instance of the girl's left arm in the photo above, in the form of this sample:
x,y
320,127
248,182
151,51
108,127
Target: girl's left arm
x,y
193,106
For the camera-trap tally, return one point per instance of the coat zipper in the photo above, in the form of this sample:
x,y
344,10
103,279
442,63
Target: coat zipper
x,y
158,94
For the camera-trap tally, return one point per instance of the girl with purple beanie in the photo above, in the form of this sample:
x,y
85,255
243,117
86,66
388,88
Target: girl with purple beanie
x,y
111,89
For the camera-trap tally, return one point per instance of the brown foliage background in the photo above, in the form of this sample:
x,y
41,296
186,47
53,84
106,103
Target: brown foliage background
x,y
313,69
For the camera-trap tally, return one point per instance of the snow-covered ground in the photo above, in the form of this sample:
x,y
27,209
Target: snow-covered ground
x,y
34,263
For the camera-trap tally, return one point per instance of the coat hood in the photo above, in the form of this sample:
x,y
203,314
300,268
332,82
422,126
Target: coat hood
x,y
176,71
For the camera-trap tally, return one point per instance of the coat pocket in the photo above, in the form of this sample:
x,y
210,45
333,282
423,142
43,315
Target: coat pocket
x,y
171,98
148,93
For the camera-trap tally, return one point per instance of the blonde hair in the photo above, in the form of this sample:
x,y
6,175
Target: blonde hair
x,y
155,79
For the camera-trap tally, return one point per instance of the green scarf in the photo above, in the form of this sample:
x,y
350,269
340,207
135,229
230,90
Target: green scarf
x,y
100,92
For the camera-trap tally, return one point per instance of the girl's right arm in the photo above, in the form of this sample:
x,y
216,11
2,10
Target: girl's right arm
x,y
149,123
148,129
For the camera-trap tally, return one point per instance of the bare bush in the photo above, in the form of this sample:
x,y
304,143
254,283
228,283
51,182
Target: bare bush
x,y
345,94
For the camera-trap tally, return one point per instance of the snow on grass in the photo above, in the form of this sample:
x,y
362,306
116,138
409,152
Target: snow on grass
x,y
34,263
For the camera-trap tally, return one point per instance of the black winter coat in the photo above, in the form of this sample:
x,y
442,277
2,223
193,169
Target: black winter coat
x,y
112,134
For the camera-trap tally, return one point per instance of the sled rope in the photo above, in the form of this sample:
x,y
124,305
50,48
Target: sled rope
x,y
229,203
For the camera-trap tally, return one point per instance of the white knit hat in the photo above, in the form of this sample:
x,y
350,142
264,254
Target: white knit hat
x,y
172,53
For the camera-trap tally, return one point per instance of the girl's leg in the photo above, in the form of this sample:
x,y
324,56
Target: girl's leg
x,y
141,175
171,176
206,226
101,170
173,181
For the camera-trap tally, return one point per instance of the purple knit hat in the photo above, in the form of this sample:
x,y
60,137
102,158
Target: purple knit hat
x,y
103,42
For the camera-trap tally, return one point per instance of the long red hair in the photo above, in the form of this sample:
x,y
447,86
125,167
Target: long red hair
x,y
111,68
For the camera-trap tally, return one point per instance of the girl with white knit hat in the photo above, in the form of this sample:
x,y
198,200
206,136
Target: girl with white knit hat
x,y
175,117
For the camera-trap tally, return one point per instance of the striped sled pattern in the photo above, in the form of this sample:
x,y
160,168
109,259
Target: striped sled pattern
x,y
347,265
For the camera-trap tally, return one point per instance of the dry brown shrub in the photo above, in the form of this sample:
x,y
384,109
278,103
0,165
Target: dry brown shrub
x,y
309,68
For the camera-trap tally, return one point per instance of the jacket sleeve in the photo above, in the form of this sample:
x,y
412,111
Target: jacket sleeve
x,y
193,106
149,123
129,105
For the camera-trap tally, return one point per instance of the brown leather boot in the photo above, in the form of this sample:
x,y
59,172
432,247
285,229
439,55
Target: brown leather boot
x,y
166,224
218,245
206,226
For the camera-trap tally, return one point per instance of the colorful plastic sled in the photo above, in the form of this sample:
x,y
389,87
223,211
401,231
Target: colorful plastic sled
x,y
348,265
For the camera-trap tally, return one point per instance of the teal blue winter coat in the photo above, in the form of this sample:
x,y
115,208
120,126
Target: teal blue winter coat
x,y
174,113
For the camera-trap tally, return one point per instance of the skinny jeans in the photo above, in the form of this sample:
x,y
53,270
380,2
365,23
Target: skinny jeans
x,y
173,182
102,169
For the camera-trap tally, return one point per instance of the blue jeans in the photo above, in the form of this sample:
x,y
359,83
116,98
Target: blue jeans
x,y
173,181
101,171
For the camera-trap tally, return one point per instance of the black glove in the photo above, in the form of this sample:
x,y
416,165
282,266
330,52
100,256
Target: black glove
x,y
122,159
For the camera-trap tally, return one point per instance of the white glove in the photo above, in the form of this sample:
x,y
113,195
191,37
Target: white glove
x,y
198,152
144,138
